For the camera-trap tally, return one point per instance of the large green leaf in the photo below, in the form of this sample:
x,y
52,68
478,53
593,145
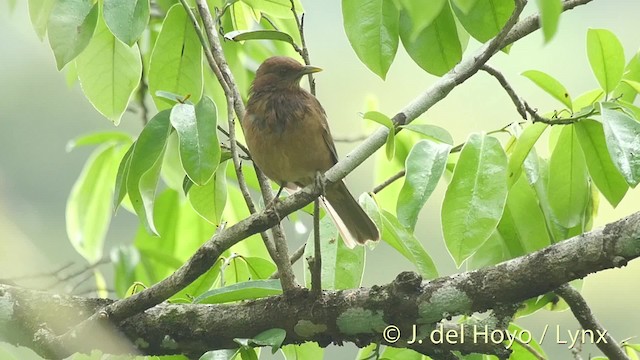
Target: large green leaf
x,y
39,11
127,19
275,8
524,145
372,30
209,199
241,35
475,198
568,186
436,47
382,119
144,167
622,134
253,289
606,56
424,167
307,351
422,13
603,171
550,11
88,212
486,18
71,25
197,132
550,85
342,268
176,61
631,72
109,72
396,235
430,131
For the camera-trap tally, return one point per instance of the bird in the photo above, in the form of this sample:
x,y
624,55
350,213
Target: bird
x,y
287,133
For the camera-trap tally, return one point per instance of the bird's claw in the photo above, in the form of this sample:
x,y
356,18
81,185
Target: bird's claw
x,y
320,183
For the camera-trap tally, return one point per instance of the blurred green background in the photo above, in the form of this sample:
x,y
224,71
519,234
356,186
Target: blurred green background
x,y
39,113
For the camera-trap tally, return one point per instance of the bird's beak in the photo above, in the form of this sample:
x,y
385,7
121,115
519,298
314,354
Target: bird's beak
x,y
308,69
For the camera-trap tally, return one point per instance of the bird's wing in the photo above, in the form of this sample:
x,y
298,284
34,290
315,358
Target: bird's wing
x,y
326,134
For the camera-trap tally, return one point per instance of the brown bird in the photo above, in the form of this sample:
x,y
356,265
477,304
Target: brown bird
x,y
288,135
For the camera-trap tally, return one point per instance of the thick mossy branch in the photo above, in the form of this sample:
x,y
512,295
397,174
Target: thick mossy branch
x,y
358,315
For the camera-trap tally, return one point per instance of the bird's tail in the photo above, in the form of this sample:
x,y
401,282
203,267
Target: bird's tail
x,y
355,226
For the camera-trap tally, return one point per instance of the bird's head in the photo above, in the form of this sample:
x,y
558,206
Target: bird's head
x,y
281,72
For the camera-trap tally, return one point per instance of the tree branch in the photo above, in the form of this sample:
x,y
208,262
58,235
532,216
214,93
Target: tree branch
x,y
580,309
355,315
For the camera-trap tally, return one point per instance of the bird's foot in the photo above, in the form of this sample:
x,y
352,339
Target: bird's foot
x,y
319,182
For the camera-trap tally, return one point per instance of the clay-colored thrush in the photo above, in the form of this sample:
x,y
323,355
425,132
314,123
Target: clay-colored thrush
x,y
287,133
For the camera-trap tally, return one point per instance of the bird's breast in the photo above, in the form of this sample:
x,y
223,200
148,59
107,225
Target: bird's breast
x,y
286,139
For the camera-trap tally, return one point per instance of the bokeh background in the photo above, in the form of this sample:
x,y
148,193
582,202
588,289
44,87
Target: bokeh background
x,y
39,114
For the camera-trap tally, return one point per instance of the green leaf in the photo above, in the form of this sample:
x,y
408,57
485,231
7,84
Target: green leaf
x,y
126,19
384,120
634,85
372,29
109,72
124,260
523,147
486,18
342,268
603,171
144,167
436,48
197,132
71,25
550,85
241,35
631,72
550,11
272,337
606,57
88,212
568,181
98,138
424,167
396,235
176,61
209,200
464,5
422,13
39,11
476,196
252,289
275,8
121,178
622,134
307,351
430,131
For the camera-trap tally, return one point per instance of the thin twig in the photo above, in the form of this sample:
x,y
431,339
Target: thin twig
x,y
389,181
239,144
505,85
529,348
292,259
537,118
281,255
315,266
303,51
142,91
580,309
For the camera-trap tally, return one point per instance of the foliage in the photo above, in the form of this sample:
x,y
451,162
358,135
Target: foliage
x,y
504,199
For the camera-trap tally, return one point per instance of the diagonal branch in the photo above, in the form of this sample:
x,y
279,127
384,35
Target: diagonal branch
x,y
580,309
